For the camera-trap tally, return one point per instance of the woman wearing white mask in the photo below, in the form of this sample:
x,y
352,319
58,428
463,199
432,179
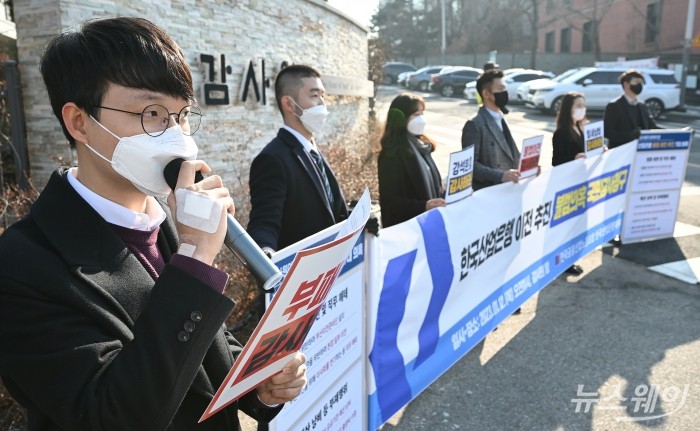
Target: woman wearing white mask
x,y
409,181
568,138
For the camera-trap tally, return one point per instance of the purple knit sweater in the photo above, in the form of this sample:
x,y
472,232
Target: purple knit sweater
x,y
144,245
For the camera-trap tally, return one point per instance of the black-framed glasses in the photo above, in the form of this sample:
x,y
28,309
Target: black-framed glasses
x,y
155,118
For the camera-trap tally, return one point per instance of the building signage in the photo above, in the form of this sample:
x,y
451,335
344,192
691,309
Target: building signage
x,y
255,83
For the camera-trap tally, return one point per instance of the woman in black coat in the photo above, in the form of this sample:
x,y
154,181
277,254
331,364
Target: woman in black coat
x,y
568,138
409,181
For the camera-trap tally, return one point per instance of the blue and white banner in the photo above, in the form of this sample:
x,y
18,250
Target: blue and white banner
x,y
448,277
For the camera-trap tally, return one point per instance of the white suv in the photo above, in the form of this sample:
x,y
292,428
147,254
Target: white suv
x,y
513,78
601,84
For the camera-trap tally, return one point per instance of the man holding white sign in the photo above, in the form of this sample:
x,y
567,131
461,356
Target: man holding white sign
x,y
495,154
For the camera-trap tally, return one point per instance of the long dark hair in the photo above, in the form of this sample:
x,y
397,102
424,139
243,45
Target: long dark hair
x,y
564,118
395,136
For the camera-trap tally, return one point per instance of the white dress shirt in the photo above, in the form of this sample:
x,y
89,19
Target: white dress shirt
x,y
116,214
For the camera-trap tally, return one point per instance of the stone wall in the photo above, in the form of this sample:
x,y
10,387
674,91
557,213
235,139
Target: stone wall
x,y
276,31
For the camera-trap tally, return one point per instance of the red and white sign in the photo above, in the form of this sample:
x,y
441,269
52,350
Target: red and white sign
x,y
530,156
285,324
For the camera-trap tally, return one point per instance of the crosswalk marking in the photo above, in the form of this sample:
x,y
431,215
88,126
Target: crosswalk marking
x,y
690,191
683,229
685,270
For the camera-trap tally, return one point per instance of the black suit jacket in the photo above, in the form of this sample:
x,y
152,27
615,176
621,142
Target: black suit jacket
x,y
402,191
88,341
620,121
288,201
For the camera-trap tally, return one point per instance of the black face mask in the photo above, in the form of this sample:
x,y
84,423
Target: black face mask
x,y
636,88
501,99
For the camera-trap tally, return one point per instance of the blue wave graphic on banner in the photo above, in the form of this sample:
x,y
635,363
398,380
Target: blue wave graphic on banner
x,y
437,252
456,341
393,390
393,387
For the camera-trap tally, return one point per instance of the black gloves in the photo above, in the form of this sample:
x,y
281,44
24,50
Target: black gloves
x,y
636,132
372,225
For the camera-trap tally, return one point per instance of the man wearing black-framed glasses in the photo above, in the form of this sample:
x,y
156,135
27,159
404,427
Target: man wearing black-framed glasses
x,y
155,119
110,307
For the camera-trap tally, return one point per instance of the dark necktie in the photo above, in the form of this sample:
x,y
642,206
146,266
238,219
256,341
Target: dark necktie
x,y
322,171
506,131
509,138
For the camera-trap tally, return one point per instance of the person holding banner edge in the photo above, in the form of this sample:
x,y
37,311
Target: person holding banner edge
x,y
568,141
626,116
409,180
111,311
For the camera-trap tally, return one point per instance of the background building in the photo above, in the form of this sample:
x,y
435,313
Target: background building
x,y
608,29
228,45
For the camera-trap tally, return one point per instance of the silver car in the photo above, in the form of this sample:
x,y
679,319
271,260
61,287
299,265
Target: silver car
x,y
420,79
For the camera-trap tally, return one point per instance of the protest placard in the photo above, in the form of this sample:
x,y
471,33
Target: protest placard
x,y
655,187
460,175
285,324
593,138
530,156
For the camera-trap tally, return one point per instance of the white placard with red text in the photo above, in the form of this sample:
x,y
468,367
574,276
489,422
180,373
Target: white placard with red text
x,y
530,156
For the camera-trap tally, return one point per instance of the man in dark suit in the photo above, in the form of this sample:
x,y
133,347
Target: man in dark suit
x,y
293,191
111,312
496,156
626,115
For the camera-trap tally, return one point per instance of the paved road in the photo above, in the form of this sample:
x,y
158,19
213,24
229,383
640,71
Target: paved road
x,y
615,332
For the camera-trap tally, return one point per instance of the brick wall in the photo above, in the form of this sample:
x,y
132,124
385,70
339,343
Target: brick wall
x,y
295,31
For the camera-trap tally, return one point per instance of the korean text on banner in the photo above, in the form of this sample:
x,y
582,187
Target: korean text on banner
x,y
285,324
452,274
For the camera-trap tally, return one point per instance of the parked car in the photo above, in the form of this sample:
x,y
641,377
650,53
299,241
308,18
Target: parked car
x,y
392,70
403,77
527,89
451,78
601,84
420,79
513,79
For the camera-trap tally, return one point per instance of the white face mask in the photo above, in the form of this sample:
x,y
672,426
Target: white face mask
x,y
417,125
142,158
578,114
313,118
